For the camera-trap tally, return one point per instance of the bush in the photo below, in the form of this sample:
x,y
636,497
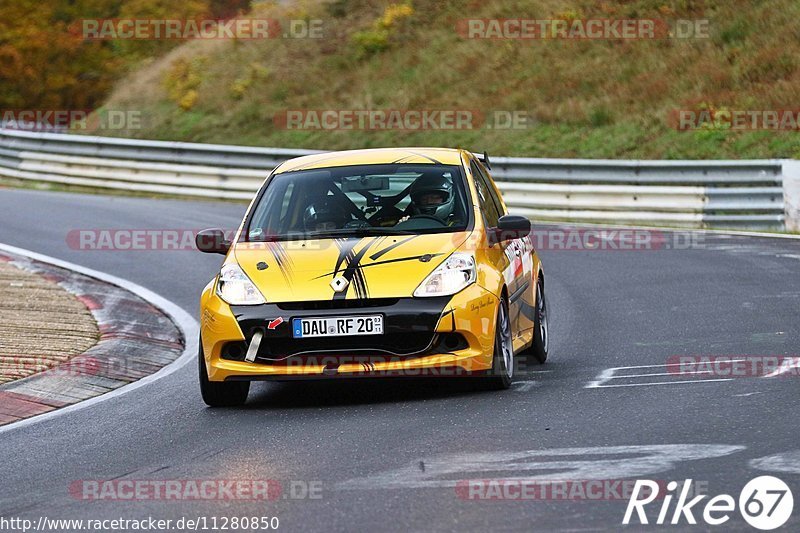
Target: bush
x,y
376,39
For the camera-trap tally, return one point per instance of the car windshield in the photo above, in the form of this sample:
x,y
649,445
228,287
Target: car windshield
x,y
360,200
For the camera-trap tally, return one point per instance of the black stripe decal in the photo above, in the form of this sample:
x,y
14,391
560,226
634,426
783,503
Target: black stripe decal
x,y
345,249
426,157
312,165
281,258
381,253
353,273
398,260
358,276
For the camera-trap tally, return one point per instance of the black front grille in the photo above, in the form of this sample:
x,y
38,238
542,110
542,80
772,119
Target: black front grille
x,y
404,343
409,327
440,343
325,305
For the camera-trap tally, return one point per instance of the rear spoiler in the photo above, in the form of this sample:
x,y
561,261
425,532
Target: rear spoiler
x,y
483,159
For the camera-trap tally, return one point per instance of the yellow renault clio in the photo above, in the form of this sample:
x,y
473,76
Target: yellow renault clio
x,y
372,263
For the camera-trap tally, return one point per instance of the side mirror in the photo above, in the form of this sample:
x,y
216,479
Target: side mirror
x,y
511,227
212,241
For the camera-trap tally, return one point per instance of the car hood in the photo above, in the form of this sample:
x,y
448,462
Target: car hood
x,y
374,267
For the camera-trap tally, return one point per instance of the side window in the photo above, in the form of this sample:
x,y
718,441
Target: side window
x,y
285,218
492,190
275,219
485,197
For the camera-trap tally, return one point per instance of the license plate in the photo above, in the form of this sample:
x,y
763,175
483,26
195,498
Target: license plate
x,y
337,326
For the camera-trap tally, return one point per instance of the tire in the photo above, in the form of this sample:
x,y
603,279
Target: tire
x,y
502,373
537,351
220,393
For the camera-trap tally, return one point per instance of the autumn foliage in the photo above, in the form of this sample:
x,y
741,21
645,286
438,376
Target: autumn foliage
x,y
45,63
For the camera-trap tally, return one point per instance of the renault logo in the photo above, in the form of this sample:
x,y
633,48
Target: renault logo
x,y
339,283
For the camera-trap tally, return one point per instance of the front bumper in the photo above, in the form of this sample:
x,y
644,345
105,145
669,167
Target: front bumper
x,y
422,336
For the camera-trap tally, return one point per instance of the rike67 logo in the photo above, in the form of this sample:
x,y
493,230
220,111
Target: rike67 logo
x,y
765,503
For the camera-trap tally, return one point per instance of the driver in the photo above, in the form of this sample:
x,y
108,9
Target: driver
x,y
324,215
432,195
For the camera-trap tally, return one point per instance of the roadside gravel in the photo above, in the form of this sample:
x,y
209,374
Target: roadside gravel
x,y
41,324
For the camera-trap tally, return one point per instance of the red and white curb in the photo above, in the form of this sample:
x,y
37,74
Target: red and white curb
x,y
143,337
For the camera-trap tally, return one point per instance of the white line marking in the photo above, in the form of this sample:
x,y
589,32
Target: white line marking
x,y
665,365
525,386
184,321
530,372
787,462
611,373
787,364
555,464
681,373
662,383
605,375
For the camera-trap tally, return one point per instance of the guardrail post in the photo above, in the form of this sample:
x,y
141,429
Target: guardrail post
x,y
791,194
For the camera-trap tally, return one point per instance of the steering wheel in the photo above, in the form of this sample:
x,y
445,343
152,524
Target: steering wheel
x,y
421,222
352,224
428,217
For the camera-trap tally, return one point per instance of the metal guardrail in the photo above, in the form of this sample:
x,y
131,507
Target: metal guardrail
x,y
734,194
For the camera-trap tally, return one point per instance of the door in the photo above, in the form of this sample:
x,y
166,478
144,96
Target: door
x,y
517,261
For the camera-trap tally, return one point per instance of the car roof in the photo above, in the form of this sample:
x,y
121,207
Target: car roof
x,y
374,156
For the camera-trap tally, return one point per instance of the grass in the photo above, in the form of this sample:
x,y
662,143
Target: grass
x,y
593,99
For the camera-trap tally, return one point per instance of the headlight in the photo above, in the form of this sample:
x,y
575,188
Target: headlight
x,y
235,287
453,275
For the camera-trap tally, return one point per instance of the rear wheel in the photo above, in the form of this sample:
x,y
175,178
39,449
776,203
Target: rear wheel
x,y
541,341
502,372
541,334
220,393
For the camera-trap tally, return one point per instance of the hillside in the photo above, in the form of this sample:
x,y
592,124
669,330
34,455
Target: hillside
x,y
587,98
48,63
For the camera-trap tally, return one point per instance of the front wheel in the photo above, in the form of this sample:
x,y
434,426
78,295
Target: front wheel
x,y
502,372
220,393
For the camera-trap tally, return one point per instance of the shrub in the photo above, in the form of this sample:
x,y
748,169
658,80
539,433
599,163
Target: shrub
x,y
376,39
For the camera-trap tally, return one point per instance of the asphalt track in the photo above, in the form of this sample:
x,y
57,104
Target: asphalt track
x,y
388,454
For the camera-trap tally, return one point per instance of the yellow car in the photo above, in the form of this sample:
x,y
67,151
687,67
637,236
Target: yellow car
x,y
368,263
